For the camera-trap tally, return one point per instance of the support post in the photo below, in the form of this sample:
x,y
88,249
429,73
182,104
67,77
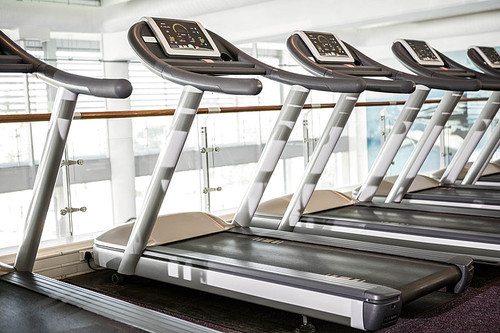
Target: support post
x,y
161,177
424,146
309,142
121,151
271,154
392,143
60,122
477,168
472,139
331,134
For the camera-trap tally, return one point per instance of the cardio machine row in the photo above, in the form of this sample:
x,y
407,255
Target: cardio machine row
x,y
316,271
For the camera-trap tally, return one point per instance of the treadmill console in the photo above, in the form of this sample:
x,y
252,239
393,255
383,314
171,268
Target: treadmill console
x,y
489,54
182,38
326,47
422,52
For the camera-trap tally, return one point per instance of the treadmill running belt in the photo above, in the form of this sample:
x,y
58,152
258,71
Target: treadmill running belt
x,y
491,178
410,276
458,194
456,224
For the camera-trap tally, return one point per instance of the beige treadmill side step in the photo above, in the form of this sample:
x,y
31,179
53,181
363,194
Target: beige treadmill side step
x,y
170,228
320,200
421,182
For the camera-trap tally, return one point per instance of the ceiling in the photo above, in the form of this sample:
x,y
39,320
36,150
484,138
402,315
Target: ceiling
x,y
370,24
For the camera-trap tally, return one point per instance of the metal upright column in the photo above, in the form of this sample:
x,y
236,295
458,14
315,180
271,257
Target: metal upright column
x,y
308,146
424,146
472,139
271,154
319,159
60,122
392,143
161,177
486,154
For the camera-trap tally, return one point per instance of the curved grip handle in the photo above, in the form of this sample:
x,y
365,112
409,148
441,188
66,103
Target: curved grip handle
x,y
227,85
296,47
401,86
343,84
108,88
222,84
430,78
481,64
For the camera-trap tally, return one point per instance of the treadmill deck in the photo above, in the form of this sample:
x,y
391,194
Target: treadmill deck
x,y
410,276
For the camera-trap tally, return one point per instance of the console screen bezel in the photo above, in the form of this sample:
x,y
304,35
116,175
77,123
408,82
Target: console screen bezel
x,y
437,62
485,57
182,51
322,58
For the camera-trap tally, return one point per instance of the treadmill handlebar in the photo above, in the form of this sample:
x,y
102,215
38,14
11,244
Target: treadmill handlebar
x,y
222,84
433,83
488,81
433,79
344,84
299,51
481,64
108,88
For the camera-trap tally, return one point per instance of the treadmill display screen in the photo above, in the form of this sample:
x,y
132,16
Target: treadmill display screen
x,y
326,47
490,55
422,52
182,37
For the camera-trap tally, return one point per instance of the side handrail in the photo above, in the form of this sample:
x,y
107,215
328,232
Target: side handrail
x,y
455,84
300,54
481,64
107,88
226,85
340,84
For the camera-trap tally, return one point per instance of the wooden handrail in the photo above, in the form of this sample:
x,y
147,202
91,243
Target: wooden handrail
x,y
33,117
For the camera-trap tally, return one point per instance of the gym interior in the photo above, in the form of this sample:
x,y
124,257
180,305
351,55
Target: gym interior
x,y
249,166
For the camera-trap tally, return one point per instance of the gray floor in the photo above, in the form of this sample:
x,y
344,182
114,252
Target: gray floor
x,y
23,310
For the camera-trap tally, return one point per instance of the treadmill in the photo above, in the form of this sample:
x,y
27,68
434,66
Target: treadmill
x,y
332,214
481,172
423,59
337,281
36,297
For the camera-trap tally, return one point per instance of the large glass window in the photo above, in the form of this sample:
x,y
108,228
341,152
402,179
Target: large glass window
x,y
233,141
